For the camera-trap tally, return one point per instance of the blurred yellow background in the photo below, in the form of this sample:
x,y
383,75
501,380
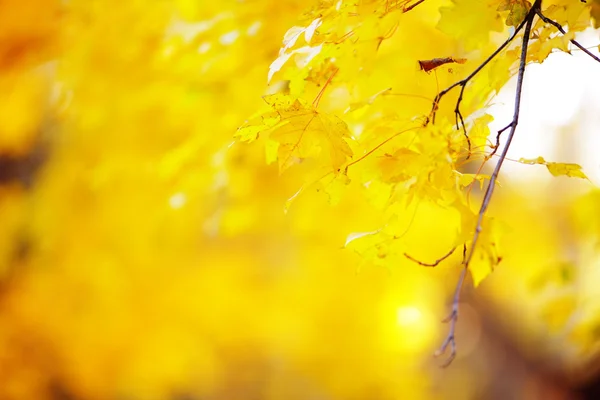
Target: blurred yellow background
x,y
145,255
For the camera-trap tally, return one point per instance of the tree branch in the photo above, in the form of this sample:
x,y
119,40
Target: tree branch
x,y
561,30
450,340
463,83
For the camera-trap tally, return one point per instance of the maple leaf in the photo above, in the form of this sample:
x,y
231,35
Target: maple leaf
x,y
548,41
300,131
471,21
480,131
497,75
403,165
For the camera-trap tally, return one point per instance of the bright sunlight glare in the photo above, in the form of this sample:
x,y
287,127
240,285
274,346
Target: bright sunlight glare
x,y
408,316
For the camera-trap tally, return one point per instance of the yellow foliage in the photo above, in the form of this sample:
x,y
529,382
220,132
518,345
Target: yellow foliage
x,y
301,132
149,250
478,19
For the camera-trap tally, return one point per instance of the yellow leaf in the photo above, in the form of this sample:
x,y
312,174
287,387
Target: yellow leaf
x,y
486,255
517,11
335,186
271,148
541,48
480,131
465,180
497,74
480,268
357,235
557,169
572,170
470,21
277,64
250,131
303,132
376,246
292,35
574,14
532,161
403,165
303,55
280,101
296,130
367,102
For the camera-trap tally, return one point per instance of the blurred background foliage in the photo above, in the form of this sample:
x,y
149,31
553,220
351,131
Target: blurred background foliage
x,y
144,255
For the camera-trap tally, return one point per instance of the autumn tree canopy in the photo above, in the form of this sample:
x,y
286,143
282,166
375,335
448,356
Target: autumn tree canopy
x,y
275,200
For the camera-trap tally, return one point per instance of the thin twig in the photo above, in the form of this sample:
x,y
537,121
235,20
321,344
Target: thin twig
x,y
463,83
561,30
497,145
433,264
452,319
450,340
466,80
318,98
407,9
368,153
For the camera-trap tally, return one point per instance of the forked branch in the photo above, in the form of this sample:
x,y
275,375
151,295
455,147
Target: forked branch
x,y
463,83
450,341
561,30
